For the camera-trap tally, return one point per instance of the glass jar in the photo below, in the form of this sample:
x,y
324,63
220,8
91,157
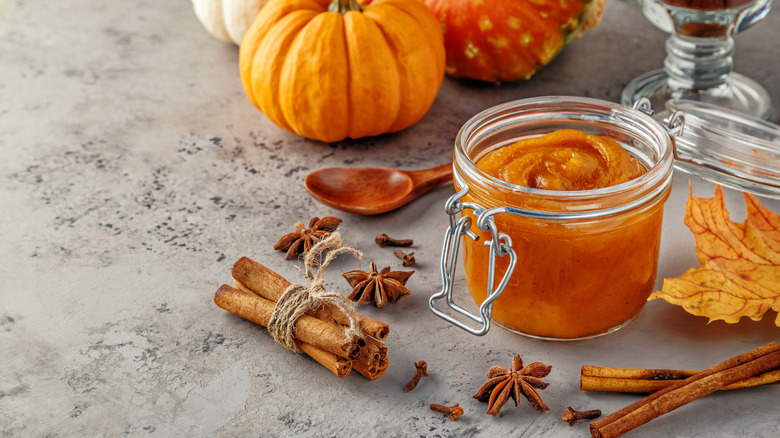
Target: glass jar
x,y
555,264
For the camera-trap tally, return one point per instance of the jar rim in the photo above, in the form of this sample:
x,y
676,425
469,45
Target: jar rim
x,y
634,120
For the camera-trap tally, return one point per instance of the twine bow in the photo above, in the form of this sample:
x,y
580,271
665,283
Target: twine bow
x,y
298,299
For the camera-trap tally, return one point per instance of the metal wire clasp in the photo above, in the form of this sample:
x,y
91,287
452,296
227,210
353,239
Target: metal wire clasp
x,y
500,245
674,125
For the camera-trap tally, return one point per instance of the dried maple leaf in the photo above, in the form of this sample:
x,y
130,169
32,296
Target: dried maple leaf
x,y
740,271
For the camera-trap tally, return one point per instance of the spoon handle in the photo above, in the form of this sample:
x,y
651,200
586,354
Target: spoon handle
x,y
427,179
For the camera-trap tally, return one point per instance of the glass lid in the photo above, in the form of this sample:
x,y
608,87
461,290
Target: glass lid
x,y
727,147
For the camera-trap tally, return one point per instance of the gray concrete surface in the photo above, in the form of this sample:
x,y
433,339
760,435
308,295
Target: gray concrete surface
x,y
135,172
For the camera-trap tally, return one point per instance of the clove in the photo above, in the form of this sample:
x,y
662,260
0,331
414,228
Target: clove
x,y
453,411
421,369
408,259
383,240
571,416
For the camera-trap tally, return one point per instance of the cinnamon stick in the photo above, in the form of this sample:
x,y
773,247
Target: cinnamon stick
x,y
751,363
637,373
338,365
258,279
373,352
372,362
647,381
371,372
310,330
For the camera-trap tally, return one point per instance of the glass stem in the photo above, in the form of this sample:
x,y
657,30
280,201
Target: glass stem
x,y
698,63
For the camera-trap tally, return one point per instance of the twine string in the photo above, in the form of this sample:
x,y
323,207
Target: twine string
x,y
298,299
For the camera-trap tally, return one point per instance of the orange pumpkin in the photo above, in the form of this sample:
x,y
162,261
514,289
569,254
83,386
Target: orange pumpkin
x,y
344,72
506,40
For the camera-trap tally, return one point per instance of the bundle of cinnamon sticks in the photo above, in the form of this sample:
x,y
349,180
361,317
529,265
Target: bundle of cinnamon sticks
x,y
320,333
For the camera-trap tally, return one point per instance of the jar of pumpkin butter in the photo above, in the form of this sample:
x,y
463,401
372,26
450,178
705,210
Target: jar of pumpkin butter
x,y
557,216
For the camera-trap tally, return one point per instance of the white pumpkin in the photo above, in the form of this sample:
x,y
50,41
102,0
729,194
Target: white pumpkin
x,y
227,20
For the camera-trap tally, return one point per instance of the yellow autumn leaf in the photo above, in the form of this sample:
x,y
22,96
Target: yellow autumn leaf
x,y
740,271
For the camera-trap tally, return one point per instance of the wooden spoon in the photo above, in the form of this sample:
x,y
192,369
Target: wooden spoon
x,y
373,190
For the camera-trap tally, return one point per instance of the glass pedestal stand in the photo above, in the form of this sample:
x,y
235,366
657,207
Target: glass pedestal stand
x,y
698,64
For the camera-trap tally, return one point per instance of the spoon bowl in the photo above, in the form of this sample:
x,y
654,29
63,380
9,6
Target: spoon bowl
x,y
373,190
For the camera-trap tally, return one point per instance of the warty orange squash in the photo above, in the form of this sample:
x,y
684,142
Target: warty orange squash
x,y
507,40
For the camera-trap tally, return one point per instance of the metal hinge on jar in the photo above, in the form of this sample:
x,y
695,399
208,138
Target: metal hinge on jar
x,y
674,124
500,246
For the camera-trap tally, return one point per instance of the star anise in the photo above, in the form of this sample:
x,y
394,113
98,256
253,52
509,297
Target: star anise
x,y
301,241
380,287
520,381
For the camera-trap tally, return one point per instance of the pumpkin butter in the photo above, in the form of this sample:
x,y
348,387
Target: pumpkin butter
x,y
573,278
567,159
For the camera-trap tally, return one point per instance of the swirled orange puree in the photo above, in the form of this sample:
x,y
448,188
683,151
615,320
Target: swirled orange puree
x,y
573,278
567,159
